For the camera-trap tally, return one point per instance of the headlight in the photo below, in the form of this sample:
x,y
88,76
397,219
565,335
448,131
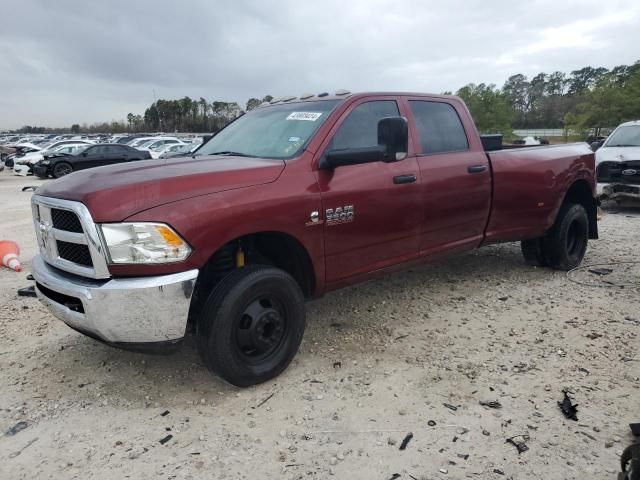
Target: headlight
x,y
45,162
143,243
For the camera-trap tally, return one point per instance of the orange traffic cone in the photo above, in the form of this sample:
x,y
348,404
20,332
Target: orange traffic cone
x,y
9,252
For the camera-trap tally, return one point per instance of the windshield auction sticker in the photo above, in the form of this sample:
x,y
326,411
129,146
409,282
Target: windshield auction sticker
x,y
308,116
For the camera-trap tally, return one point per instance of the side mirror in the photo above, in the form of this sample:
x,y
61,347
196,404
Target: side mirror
x,y
596,145
84,154
393,141
393,135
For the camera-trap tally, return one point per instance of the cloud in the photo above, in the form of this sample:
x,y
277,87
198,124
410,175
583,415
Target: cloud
x,y
65,62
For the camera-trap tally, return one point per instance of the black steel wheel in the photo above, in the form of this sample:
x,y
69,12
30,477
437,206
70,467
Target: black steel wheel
x,y
61,169
251,325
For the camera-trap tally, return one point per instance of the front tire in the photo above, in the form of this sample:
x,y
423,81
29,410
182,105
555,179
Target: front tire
x,y
251,325
61,169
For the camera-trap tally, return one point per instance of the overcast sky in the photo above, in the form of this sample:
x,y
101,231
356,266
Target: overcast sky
x,y
69,61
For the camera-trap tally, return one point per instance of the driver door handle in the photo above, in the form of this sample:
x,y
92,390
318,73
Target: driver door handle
x,y
399,179
476,168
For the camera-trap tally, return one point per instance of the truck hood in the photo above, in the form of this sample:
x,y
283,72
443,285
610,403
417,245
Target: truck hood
x,y
617,154
116,192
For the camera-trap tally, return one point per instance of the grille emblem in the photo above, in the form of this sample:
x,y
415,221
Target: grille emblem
x,y
45,229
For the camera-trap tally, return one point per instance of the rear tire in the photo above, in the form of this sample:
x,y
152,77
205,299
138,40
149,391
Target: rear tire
x,y
532,252
61,169
251,325
564,245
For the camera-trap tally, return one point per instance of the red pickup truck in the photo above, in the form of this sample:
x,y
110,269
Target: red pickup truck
x,y
292,200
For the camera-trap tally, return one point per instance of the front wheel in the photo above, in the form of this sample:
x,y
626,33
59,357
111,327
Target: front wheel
x,y
251,325
61,169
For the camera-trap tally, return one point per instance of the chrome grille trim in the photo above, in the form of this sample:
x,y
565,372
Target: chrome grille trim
x,y
47,237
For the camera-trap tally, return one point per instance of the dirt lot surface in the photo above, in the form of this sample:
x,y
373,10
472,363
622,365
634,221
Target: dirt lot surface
x,y
378,361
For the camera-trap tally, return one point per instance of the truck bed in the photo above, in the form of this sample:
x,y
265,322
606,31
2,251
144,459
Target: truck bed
x,y
529,185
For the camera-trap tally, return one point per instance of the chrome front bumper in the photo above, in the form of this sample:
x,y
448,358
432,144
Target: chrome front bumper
x,y
118,311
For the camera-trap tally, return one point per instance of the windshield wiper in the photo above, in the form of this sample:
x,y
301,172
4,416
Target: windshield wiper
x,y
230,153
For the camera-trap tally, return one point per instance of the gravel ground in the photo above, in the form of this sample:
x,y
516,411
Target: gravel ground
x,y
378,360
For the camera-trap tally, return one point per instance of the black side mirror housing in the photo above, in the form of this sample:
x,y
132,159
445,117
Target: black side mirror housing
x,y
84,154
596,145
393,143
393,135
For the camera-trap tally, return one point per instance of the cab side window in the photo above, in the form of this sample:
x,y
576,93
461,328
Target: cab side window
x,y
439,127
360,128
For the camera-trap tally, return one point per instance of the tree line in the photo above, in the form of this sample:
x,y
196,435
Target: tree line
x,y
591,97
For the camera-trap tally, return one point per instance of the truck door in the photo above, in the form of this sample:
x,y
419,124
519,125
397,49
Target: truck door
x,y
456,176
369,210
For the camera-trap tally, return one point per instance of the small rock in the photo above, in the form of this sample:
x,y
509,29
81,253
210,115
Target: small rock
x,y
333,461
608,444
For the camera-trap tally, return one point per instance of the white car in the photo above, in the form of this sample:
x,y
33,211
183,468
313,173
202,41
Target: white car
x,y
159,142
34,157
618,163
172,148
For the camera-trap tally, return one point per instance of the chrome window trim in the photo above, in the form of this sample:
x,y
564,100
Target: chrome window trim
x,y
91,237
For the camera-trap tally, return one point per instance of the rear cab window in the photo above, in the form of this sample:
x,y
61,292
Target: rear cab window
x,y
439,127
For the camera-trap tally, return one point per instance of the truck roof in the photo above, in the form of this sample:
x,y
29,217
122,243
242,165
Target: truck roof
x,y
632,122
344,94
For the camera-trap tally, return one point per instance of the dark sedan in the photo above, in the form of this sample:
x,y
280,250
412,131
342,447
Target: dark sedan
x,y
58,165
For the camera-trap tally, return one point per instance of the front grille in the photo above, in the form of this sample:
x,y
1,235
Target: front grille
x,y
75,252
71,303
65,220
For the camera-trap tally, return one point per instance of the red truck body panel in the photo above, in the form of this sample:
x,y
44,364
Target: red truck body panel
x,y
212,201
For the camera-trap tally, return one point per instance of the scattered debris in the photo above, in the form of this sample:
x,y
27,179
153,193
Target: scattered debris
x,y
18,452
491,404
485,432
503,299
337,364
584,370
519,441
588,435
18,427
265,400
431,423
165,413
165,439
570,410
406,441
400,337
444,470
29,188
593,335
450,407
464,456
498,471
27,291
394,476
600,271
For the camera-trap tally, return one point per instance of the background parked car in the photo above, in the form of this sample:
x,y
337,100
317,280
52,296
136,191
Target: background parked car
x,y
93,156
177,150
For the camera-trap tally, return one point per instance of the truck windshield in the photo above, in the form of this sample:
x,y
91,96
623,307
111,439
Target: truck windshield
x,y
278,131
628,136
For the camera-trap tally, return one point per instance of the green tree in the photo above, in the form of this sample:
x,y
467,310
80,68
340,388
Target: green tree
x,y
489,108
75,128
253,103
